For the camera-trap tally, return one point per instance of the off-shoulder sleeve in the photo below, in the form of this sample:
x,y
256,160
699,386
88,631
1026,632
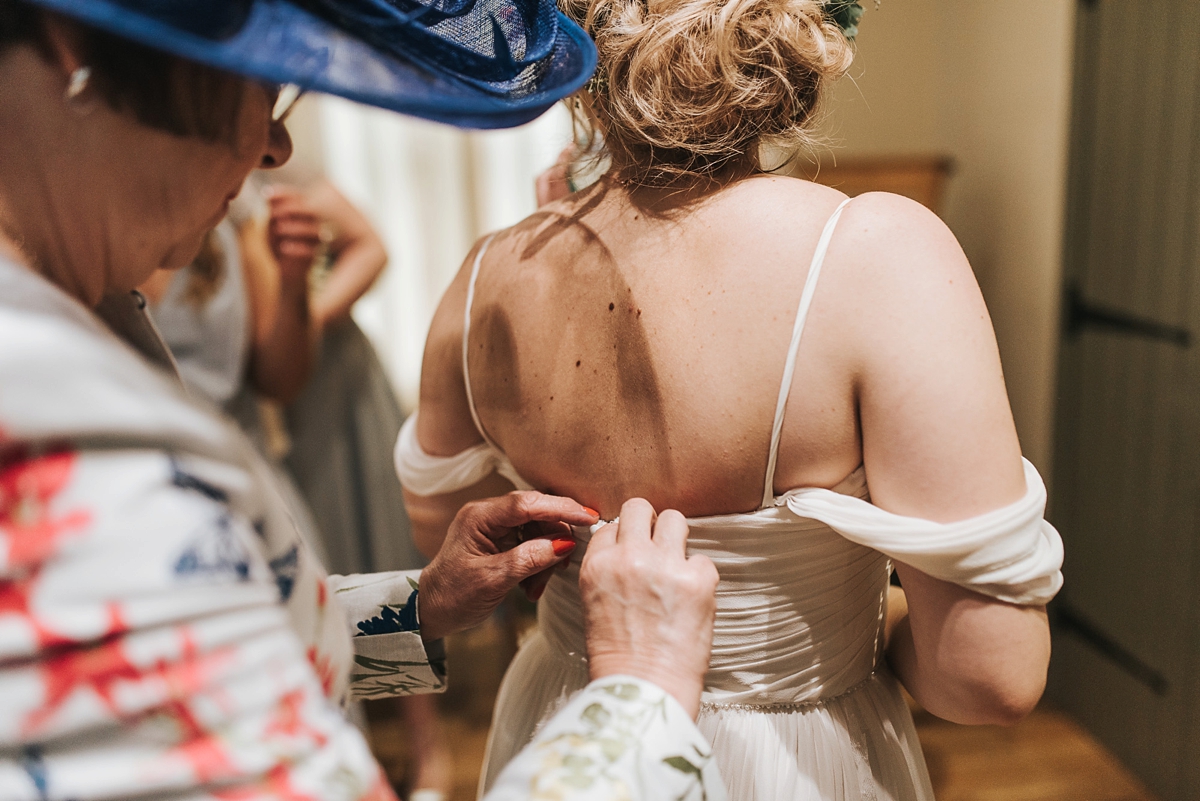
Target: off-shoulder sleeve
x,y
620,737
1011,554
390,657
423,474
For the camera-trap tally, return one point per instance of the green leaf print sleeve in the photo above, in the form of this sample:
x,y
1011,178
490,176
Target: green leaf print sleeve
x,y
389,656
620,739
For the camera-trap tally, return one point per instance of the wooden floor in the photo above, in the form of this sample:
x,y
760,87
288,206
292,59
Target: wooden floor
x,y
1047,757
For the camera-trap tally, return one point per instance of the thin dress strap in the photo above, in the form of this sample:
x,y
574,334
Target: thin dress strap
x,y
789,369
466,337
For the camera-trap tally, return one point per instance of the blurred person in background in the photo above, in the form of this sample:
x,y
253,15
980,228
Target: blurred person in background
x,y
164,630
344,419
341,425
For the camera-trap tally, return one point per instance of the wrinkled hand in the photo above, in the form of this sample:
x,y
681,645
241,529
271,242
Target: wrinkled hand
x,y
483,557
649,608
294,233
552,184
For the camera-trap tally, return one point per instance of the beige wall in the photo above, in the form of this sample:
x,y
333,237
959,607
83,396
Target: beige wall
x,y
986,82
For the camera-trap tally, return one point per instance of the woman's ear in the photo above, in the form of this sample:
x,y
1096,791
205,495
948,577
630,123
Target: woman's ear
x,y
64,45
59,44
65,52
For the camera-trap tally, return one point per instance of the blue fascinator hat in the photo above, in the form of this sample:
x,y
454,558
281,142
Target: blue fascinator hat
x,y
470,63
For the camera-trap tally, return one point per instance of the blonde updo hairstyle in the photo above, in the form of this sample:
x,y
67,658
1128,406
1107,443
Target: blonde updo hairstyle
x,y
692,89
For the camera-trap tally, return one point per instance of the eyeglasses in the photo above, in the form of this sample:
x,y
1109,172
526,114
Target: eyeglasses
x,y
285,100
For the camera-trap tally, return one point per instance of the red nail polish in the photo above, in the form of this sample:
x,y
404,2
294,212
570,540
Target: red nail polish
x,y
562,547
591,511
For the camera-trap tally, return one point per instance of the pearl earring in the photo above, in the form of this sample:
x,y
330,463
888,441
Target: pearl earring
x,y
77,84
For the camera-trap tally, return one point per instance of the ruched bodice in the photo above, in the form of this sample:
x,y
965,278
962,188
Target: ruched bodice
x,y
799,609
797,701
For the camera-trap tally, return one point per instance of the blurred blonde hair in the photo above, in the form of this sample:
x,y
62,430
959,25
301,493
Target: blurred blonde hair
x,y
689,89
206,272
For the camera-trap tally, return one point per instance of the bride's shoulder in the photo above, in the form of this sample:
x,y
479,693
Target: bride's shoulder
x,y
881,233
875,216
899,272
890,238
885,214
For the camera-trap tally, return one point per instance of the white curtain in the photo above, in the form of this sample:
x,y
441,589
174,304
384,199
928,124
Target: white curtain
x,y
431,191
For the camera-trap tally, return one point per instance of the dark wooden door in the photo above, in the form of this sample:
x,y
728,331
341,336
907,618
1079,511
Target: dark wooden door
x,y
1126,490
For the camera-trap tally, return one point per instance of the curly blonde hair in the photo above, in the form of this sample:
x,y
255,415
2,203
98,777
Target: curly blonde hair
x,y
692,88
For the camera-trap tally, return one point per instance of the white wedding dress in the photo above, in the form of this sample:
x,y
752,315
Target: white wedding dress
x,y
798,703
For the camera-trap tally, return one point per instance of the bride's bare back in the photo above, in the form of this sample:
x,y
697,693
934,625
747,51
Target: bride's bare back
x,y
619,353
616,354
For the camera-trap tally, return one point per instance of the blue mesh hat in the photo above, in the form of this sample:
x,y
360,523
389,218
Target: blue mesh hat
x,y
470,63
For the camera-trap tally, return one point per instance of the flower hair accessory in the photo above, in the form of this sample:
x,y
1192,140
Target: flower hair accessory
x,y
846,15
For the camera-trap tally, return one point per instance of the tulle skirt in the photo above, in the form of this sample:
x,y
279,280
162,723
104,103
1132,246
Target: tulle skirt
x,y
860,744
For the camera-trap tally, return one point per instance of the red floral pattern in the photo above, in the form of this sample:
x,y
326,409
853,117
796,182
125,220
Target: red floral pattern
x,y
28,527
31,533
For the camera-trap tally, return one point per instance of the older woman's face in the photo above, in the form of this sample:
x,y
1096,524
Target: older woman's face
x,y
187,184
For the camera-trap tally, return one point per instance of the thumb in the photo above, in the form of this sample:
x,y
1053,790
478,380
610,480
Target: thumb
x,y
532,557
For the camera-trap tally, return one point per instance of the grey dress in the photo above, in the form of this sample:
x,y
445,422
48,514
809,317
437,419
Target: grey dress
x,y
343,428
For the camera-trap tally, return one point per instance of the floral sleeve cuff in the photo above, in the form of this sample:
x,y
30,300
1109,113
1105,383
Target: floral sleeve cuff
x,y
621,737
390,657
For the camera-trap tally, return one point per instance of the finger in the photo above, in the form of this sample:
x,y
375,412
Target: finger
x,y
537,530
555,529
671,532
288,209
299,215
280,197
494,515
306,241
289,249
605,537
705,570
535,586
636,522
543,189
291,243
294,216
530,558
552,185
298,234
300,227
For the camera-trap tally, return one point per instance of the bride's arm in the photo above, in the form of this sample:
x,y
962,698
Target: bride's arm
x,y
444,425
939,443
